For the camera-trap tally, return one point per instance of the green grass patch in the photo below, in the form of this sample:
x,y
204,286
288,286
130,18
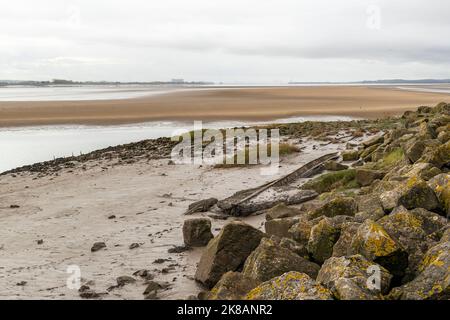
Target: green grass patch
x,y
333,181
285,149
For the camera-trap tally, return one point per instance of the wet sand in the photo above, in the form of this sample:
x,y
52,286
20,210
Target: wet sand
x,y
244,103
124,204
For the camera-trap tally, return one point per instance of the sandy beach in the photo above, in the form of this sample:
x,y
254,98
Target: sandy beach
x,y
244,103
122,204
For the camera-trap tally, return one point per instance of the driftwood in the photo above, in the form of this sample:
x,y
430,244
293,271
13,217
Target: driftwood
x,y
245,202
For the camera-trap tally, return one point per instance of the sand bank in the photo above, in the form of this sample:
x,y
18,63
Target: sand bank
x,y
255,103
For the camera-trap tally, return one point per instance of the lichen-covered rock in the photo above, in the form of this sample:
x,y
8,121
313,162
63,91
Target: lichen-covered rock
x,y
282,211
373,242
334,166
290,286
444,136
301,230
440,184
417,194
366,154
424,170
427,131
365,177
322,239
350,278
415,150
227,252
197,232
433,282
342,247
295,247
414,193
232,286
350,155
280,227
270,260
410,229
340,206
369,207
438,156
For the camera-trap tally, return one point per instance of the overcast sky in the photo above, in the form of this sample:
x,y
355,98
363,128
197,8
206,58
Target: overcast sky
x,y
224,40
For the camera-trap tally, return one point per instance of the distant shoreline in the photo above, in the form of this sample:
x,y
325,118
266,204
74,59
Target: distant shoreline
x,y
216,104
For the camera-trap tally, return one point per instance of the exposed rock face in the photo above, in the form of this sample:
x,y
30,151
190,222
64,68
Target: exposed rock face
x,y
322,239
295,247
281,211
339,206
414,193
290,286
201,206
365,177
374,243
417,194
280,227
350,155
415,151
349,278
441,186
343,246
197,232
301,230
438,156
232,286
410,229
227,252
369,207
433,282
270,260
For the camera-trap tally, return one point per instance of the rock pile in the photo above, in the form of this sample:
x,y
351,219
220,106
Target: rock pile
x,y
378,230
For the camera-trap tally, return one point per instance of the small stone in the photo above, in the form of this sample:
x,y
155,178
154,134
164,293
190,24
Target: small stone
x,y
123,280
134,246
98,246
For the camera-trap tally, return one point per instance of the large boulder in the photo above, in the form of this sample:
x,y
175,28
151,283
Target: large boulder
x,y
439,157
342,247
415,151
417,194
232,286
290,286
373,242
270,260
197,232
339,206
365,177
433,282
350,155
322,239
301,230
227,252
349,278
440,184
280,227
282,211
413,193
411,229
369,207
